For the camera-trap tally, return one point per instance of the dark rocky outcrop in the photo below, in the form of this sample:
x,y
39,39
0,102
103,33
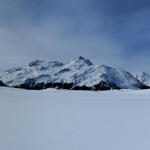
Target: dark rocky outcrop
x,y
35,63
30,84
102,86
59,85
68,86
84,88
1,83
48,85
145,87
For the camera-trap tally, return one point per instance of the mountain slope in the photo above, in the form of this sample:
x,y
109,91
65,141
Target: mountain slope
x,y
77,74
142,77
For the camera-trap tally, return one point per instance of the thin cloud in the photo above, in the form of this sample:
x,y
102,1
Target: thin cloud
x,y
48,29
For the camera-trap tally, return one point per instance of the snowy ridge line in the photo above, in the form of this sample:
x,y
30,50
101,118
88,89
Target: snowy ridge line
x,y
78,74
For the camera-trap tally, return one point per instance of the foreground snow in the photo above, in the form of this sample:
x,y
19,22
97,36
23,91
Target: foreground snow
x,y
74,120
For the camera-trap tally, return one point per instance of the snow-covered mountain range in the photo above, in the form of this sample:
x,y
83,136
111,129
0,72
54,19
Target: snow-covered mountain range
x,y
78,74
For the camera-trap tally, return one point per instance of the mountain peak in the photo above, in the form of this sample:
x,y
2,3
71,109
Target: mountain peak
x,y
104,66
35,62
81,58
87,61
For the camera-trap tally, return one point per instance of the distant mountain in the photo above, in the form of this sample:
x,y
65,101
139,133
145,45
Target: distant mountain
x,y
142,77
78,74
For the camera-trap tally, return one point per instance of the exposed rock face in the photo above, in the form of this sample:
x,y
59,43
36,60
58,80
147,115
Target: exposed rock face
x,y
78,74
31,84
68,86
35,63
84,88
144,87
102,86
1,83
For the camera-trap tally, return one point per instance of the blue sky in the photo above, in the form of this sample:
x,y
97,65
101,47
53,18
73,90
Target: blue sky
x,y
111,32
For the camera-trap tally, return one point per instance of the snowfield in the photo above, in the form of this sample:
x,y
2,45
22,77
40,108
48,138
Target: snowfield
x,y
74,120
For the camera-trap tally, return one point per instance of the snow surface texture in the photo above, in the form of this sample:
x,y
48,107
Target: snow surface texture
x,y
74,120
81,72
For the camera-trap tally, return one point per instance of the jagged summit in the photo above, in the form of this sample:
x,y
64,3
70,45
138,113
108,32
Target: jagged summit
x,y
87,61
79,73
35,63
81,61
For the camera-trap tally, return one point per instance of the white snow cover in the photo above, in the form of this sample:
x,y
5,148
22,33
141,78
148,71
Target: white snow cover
x,y
79,71
143,77
74,120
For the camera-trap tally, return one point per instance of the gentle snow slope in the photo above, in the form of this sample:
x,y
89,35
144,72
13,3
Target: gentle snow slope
x,y
74,120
